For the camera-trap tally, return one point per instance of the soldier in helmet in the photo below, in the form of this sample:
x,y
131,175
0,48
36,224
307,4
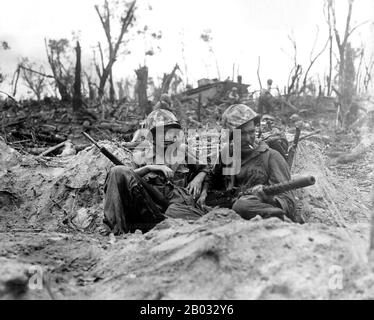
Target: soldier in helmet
x,y
265,102
234,95
259,166
164,103
142,197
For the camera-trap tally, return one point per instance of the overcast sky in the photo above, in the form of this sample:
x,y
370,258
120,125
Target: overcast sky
x,y
242,30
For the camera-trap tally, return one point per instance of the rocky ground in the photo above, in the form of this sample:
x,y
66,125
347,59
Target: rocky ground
x,y
50,222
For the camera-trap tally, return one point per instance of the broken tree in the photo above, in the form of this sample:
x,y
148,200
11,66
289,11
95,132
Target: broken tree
x,y
77,97
141,89
63,74
105,18
346,73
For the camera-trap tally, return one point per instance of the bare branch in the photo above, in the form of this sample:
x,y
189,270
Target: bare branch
x,y
357,26
348,23
113,48
37,72
312,63
314,43
293,41
101,56
331,6
15,80
9,96
258,72
104,21
358,75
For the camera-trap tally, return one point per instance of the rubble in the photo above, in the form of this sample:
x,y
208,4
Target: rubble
x,y
51,192
51,216
34,127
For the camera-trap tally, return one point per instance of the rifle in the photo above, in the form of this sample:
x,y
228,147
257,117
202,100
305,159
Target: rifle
x,y
292,151
155,194
104,151
227,198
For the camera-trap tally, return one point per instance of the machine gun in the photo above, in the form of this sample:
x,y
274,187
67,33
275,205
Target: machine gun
x,y
226,199
292,151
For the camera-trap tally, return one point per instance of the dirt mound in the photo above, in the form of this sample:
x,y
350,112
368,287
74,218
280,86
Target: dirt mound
x,y
56,193
220,256
332,200
67,191
223,257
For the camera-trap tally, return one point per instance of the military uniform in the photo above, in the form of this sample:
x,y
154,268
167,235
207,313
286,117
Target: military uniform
x,y
130,206
133,202
262,166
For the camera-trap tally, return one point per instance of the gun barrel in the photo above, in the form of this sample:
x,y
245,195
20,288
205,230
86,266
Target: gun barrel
x,y
111,156
292,151
91,139
297,136
104,151
297,183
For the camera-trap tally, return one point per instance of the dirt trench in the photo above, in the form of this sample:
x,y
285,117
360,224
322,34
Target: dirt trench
x,y
51,211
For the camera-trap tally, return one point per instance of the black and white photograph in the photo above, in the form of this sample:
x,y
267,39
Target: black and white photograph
x,y
192,153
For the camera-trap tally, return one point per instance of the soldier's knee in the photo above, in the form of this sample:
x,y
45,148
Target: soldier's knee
x,y
120,171
249,207
240,207
119,176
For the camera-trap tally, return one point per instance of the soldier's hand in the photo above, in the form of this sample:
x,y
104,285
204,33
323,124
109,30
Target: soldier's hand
x,y
201,201
259,192
164,169
195,187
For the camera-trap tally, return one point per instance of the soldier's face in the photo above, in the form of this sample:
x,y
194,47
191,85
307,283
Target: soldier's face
x,y
248,134
167,135
173,135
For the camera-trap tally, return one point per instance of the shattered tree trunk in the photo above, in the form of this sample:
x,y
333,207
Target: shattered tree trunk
x,y
141,88
105,18
345,55
112,93
91,89
62,88
294,84
168,78
347,81
329,77
77,98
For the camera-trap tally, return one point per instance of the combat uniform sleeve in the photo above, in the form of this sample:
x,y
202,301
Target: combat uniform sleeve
x,y
279,172
196,168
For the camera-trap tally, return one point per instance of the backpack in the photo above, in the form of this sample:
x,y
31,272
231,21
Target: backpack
x,y
278,142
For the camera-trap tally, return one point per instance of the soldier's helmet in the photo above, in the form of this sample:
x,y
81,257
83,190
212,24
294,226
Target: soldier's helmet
x,y
270,82
161,118
234,89
268,117
295,117
165,98
238,115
